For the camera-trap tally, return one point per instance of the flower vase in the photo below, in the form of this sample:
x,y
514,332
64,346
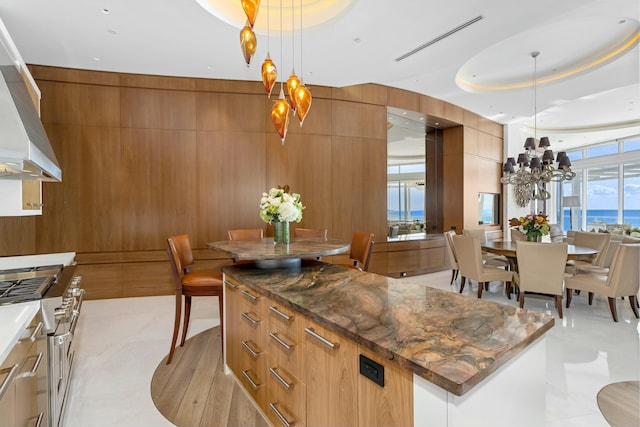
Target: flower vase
x,y
280,232
533,238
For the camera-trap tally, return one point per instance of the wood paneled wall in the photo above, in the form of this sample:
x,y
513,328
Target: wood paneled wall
x,y
146,157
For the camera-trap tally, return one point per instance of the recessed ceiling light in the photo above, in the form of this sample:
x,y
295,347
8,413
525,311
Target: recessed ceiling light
x,y
105,11
357,40
95,58
622,21
404,113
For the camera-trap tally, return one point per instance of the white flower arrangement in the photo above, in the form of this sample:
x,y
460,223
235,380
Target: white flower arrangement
x,y
278,205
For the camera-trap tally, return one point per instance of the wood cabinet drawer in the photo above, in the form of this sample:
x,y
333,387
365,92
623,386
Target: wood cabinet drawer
x,y
253,326
287,394
256,300
284,350
286,319
252,373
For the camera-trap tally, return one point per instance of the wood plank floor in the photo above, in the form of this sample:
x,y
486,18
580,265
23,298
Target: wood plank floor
x,y
194,391
620,403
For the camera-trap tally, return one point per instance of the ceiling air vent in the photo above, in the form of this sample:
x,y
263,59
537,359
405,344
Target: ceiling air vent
x,y
440,37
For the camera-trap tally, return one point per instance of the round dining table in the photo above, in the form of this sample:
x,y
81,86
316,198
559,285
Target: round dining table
x,y
508,249
268,254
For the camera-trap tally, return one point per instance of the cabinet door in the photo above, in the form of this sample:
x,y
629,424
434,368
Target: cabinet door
x,y
32,195
331,378
389,405
7,401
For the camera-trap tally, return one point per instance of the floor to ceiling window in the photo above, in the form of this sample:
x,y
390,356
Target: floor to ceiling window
x,y
607,184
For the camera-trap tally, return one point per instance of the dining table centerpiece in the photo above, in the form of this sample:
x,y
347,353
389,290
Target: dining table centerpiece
x,y
533,226
280,207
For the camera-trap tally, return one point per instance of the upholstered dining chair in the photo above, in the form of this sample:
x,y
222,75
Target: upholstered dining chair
x,y
597,241
190,284
516,235
469,256
541,270
488,258
245,234
622,281
310,232
451,254
361,248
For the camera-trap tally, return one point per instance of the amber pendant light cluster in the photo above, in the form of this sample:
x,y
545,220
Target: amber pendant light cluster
x,y
299,96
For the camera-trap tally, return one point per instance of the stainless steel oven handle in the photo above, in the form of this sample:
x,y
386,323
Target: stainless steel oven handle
x,y
12,372
62,338
76,313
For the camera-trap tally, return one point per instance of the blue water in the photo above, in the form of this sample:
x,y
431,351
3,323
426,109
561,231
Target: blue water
x,y
395,215
631,216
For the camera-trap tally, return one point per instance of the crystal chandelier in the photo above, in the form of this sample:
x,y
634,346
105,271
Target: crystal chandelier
x,y
530,184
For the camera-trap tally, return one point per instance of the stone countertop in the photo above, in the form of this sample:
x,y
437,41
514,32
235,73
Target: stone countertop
x,y
265,248
14,318
453,341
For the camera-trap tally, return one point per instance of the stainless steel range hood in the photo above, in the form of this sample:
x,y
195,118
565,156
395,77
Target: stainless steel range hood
x,y
25,150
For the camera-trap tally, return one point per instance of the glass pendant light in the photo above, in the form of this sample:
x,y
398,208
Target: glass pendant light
x,y
301,94
280,115
248,43
250,8
293,82
269,70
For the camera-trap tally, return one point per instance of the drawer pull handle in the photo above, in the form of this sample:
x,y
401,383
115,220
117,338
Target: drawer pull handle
x,y
281,417
251,296
281,314
11,374
251,351
250,319
230,285
39,420
323,340
280,341
253,384
285,384
36,366
36,331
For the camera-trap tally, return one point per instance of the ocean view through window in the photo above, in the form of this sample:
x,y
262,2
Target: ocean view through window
x,y
607,183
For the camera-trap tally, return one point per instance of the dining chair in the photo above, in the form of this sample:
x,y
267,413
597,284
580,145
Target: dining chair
x,y
541,270
469,256
556,234
361,248
516,235
623,280
190,284
245,234
488,258
614,243
451,255
597,241
310,232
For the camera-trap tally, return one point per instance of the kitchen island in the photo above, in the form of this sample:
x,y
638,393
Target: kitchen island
x,y
448,359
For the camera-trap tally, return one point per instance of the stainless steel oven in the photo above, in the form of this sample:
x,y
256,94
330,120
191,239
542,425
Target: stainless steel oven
x,y
59,290
62,349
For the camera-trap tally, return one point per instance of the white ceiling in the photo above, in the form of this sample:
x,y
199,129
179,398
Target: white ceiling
x,y
360,44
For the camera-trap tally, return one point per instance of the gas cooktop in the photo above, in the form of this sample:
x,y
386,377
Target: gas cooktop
x,y
26,284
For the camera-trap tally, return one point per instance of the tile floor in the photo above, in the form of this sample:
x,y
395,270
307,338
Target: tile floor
x,y
120,342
